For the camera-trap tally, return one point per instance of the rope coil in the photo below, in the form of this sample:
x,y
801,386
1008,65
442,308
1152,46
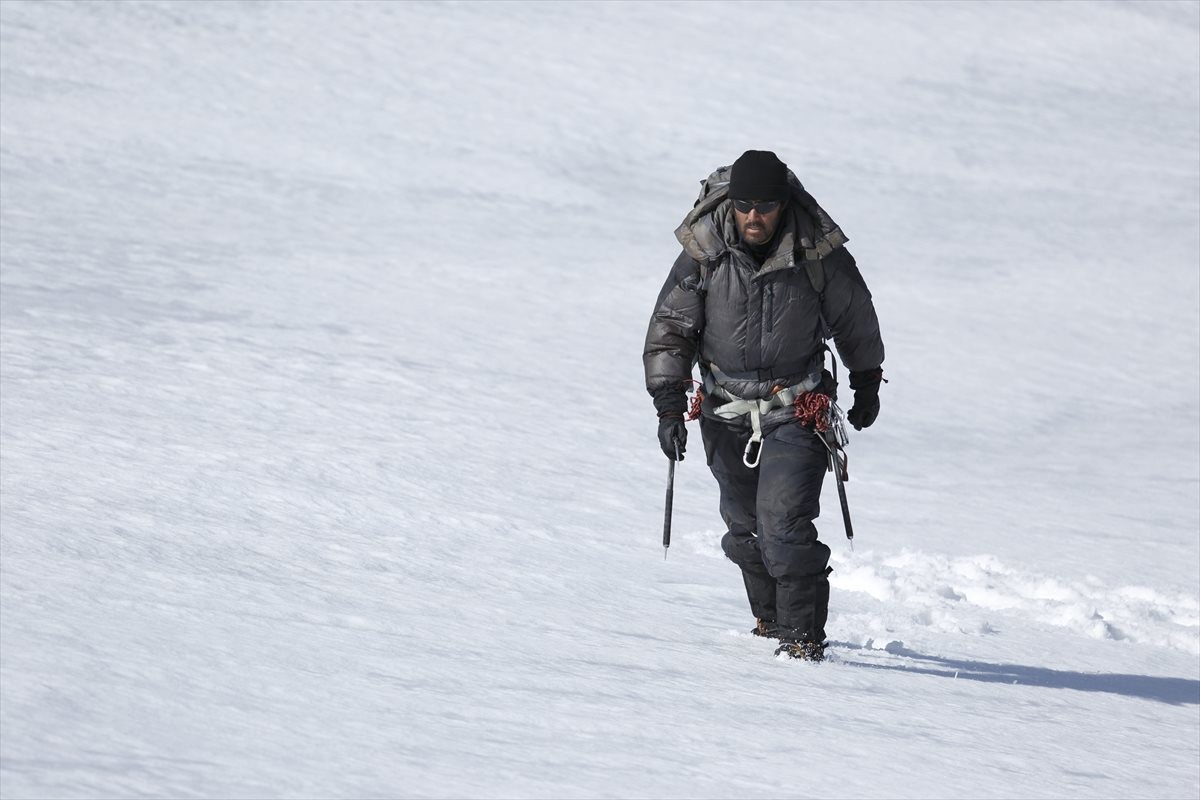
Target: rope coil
x,y
812,409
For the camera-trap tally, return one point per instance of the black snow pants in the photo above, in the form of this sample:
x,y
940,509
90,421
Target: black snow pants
x,y
769,512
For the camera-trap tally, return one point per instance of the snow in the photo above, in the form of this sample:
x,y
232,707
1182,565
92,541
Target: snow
x,y
325,464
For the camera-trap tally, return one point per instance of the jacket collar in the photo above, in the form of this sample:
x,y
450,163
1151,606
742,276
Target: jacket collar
x,y
708,231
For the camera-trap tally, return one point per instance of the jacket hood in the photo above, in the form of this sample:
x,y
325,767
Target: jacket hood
x,y
709,230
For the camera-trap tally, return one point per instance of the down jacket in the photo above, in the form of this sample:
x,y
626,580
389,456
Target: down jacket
x,y
753,327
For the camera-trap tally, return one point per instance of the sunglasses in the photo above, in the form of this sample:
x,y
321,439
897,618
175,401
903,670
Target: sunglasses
x,y
761,206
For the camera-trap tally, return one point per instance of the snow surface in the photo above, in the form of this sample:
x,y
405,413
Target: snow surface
x,y
327,470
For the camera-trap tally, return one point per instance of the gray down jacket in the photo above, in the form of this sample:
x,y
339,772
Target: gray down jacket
x,y
753,327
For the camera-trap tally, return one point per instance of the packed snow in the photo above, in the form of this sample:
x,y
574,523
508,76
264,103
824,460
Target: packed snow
x,y
326,468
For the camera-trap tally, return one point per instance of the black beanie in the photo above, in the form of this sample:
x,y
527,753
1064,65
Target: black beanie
x,y
758,175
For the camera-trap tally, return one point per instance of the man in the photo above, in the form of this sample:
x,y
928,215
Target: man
x,y
762,280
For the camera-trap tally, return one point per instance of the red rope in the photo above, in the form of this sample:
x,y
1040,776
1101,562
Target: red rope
x,y
697,399
812,409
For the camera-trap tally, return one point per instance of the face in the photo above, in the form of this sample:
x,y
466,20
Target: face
x,y
756,227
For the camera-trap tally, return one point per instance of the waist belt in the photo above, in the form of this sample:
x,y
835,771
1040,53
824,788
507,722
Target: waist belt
x,y
738,406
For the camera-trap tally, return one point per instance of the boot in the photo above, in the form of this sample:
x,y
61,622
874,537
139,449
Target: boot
x,y
766,628
802,651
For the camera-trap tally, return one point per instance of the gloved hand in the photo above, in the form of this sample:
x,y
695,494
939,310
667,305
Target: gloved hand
x,y
866,398
670,402
671,430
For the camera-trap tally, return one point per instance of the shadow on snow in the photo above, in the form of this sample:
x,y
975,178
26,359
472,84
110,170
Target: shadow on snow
x,y
1176,691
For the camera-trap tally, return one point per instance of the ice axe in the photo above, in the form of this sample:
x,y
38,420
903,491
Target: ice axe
x,y
840,466
835,438
835,441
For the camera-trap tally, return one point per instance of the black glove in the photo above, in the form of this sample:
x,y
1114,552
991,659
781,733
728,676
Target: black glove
x,y
670,402
866,398
670,431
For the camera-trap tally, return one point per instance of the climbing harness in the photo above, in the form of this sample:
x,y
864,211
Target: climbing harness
x,y
735,407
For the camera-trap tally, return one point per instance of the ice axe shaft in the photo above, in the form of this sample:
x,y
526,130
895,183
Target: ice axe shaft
x,y
670,500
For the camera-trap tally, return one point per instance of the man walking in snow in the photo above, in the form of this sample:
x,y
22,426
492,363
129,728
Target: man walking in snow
x,y
763,278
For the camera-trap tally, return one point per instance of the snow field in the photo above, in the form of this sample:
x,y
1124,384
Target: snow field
x,y
325,464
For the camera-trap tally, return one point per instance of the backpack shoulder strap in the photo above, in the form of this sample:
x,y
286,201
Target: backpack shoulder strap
x,y
815,268
706,271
